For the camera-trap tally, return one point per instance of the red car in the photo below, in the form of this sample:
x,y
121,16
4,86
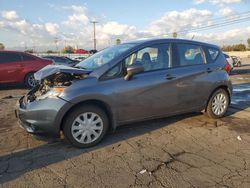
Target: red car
x,y
19,67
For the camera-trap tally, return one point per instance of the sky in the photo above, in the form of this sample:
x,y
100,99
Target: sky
x,y
48,25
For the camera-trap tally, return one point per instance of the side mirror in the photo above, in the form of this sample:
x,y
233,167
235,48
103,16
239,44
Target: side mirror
x,y
133,69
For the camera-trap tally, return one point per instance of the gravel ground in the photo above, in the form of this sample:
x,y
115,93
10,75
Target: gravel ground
x,y
183,151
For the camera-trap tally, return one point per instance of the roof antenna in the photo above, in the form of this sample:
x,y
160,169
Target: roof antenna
x,y
192,37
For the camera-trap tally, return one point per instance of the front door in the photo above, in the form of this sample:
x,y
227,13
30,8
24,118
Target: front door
x,y
151,93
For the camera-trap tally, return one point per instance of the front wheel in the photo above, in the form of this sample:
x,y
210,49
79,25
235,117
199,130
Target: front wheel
x,y
30,80
218,104
85,126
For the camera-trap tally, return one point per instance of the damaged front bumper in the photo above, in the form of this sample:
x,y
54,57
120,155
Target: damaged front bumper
x,y
40,116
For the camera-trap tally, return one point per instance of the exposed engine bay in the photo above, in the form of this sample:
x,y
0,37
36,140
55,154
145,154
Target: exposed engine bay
x,y
54,77
56,80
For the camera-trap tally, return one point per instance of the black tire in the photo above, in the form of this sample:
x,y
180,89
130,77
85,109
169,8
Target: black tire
x,y
27,80
209,108
71,117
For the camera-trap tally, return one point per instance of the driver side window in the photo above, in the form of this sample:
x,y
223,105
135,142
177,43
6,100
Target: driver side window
x,y
151,58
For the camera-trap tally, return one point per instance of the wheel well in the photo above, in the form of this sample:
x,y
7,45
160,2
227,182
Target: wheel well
x,y
219,87
97,103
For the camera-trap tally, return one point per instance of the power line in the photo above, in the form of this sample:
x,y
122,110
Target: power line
x,y
238,18
212,26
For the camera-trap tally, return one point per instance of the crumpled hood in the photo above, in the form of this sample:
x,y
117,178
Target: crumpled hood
x,y
53,69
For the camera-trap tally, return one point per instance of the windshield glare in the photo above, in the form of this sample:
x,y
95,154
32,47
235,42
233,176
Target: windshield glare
x,y
104,56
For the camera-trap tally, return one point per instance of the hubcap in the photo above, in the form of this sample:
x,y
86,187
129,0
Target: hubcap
x,y
219,104
87,127
31,81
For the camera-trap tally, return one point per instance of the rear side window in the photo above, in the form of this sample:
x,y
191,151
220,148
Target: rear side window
x,y
9,57
188,54
27,57
211,54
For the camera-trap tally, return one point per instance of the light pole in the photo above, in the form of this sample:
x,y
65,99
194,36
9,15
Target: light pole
x,y
94,22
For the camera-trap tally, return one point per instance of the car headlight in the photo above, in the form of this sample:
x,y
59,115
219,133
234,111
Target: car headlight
x,y
52,93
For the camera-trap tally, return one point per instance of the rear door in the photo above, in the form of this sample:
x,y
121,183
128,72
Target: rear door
x,y
193,76
10,67
29,64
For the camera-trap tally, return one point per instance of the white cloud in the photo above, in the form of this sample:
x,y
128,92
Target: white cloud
x,y
76,29
199,1
114,28
23,28
225,1
175,21
9,15
227,12
218,2
51,28
78,17
228,37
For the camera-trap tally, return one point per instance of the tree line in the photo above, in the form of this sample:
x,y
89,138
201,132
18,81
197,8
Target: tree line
x,y
234,47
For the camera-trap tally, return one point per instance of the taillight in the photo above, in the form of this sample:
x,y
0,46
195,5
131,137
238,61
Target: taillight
x,y
227,67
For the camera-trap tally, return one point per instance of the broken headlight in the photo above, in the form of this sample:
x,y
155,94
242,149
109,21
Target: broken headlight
x,y
52,93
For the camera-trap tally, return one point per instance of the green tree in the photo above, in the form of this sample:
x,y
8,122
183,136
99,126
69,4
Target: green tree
x,y
49,52
234,47
248,42
2,46
118,41
175,35
31,51
68,49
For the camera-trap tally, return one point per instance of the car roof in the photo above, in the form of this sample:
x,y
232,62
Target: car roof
x,y
14,51
143,41
19,52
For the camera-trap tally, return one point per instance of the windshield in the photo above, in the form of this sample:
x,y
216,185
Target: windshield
x,y
103,57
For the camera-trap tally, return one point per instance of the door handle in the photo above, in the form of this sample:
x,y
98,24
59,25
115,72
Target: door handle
x,y
170,77
209,70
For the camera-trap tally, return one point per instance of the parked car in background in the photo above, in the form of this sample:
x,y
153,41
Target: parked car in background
x,y
229,60
126,83
81,51
19,67
80,58
93,51
61,60
236,61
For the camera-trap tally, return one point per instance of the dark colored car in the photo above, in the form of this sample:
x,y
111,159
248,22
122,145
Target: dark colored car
x,y
61,60
126,83
93,51
19,67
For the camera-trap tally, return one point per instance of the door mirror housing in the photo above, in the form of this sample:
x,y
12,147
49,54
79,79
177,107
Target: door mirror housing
x,y
133,69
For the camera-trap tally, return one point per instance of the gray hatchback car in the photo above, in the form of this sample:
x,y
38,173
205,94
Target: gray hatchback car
x,y
129,82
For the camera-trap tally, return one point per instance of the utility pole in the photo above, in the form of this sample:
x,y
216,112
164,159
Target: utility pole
x,y
56,43
94,23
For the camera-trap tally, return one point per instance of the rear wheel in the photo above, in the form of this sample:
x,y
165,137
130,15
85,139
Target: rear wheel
x,y
30,81
85,126
218,104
